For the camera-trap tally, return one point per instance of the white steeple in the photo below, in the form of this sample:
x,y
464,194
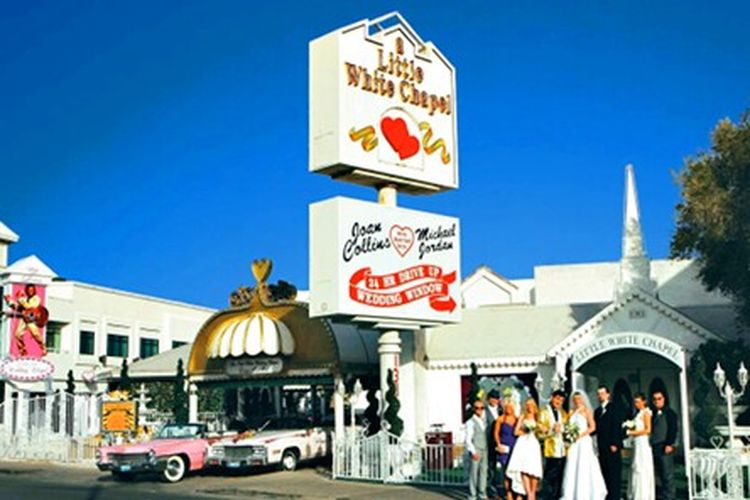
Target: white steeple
x,y
635,268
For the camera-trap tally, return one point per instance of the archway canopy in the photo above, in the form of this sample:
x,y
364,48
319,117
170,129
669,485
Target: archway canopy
x,y
268,335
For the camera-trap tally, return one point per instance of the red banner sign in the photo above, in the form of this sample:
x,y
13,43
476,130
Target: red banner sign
x,y
430,282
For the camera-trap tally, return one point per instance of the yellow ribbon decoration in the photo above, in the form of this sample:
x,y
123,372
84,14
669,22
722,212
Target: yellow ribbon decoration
x,y
366,135
445,157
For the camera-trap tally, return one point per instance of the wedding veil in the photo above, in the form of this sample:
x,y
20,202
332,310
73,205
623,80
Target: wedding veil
x,y
586,400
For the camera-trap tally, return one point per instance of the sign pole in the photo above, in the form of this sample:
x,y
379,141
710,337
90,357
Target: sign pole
x,y
389,341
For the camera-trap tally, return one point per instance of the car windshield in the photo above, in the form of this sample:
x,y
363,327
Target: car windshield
x,y
179,431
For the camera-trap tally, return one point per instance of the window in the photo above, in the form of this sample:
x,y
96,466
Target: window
x,y
53,336
117,345
86,343
177,343
149,347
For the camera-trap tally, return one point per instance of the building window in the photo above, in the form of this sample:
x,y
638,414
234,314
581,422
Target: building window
x,y
149,347
177,343
86,344
53,337
117,345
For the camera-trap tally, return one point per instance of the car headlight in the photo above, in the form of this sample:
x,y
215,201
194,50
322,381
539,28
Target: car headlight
x,y
98,455
151,455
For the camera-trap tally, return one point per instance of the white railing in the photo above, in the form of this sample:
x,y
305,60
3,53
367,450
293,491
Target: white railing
x,y
59,427
720,474
386,458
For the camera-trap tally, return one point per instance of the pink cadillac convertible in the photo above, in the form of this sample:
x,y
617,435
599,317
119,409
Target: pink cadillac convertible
x,y
173,452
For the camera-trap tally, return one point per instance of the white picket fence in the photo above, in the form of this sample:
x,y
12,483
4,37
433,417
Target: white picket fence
x,y
58,427
386,458
720,474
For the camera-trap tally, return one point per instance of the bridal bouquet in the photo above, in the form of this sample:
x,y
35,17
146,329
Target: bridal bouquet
x,y
570,433
628,425
529,426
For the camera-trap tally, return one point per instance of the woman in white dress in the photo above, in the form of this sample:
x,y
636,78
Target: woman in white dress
x,y
583,478
642,485
525,464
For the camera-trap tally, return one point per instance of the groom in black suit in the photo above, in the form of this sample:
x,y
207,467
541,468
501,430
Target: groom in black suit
x,y
609,418
663,441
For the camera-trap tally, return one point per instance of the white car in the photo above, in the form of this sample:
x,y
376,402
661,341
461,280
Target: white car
x,y
280,442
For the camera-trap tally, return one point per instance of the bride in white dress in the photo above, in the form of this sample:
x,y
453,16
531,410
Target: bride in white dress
x,y
583,478
642,485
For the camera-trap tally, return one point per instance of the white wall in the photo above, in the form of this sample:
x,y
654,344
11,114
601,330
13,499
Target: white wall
x,y
104,311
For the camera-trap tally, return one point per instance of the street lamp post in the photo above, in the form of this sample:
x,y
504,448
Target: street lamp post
x,y
729,394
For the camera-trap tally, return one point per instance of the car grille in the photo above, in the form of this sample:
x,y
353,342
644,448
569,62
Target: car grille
x,y
244,452
129,458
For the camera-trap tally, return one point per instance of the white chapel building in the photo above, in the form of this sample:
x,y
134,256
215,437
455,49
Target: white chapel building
x,y
631,325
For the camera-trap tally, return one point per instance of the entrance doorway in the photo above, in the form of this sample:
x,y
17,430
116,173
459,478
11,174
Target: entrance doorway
x,y
627,371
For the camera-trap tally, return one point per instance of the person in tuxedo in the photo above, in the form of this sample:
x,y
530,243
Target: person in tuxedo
x,y
491,412
609,418
553,418
663,443
475,444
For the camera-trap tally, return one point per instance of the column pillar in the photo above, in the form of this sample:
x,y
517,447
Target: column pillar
x,y
277,400
338,407
192,402
63,410
8,409
22,414
389,349
684,408
240,403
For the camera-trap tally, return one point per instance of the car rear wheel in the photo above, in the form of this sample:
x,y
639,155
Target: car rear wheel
x,y
175,469
289,460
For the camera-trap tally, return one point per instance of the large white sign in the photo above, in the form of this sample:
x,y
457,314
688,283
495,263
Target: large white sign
x,y
374,261
383,108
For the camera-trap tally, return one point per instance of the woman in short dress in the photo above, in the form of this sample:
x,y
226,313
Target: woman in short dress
x,y
525,464
505,440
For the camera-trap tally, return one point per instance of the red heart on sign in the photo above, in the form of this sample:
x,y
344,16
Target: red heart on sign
x,y
397,135
402,238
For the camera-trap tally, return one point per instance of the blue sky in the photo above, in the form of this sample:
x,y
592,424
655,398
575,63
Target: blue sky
x,y
159,147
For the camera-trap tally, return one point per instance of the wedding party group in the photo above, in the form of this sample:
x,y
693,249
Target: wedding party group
x,y
552,454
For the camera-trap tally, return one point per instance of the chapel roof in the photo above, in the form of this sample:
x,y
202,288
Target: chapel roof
x,y
506,331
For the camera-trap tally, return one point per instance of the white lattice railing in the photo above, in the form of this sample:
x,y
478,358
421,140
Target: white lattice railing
x,y
58,427
720,474
389,459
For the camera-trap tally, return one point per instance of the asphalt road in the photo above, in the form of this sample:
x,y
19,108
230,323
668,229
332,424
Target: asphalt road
x,y
44,481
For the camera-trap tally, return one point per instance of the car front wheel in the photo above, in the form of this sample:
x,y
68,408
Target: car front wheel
x,y
175,469
289,460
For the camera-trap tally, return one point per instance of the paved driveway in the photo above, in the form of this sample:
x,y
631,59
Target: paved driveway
x,y
43,481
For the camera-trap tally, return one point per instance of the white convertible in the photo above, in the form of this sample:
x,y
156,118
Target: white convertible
x,y
282,442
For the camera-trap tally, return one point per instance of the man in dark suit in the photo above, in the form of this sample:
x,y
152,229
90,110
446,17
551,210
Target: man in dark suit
x,y
609,418
492,411
663,442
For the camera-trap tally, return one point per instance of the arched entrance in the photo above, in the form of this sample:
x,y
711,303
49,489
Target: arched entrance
x,y
630,362
628,371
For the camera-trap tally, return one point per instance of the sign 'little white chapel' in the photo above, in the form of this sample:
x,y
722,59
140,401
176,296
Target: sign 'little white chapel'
x,y
370,260
383,108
